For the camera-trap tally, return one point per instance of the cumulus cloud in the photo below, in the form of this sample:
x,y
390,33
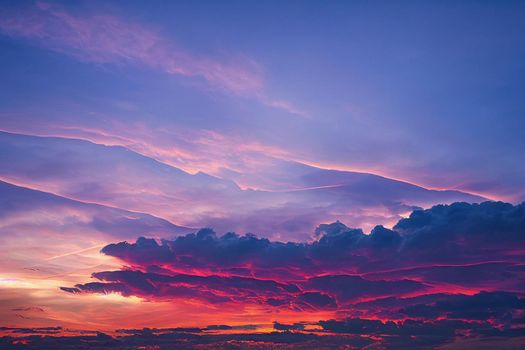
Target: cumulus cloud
x,y
464,232
423,238
460,264
421,256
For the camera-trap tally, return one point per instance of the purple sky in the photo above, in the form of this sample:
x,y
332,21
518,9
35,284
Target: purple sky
x,y
426,92
335,138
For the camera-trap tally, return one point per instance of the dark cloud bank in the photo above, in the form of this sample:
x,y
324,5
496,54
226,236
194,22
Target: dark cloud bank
x,y
450,277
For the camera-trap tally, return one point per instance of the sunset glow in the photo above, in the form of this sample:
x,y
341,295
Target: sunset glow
x,y
262,175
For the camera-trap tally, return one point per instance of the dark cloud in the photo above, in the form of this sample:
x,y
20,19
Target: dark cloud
x,y
351,333
459,233
504,309
212,289
343,266
288,327
35,330
322,292
501,306
350,288
462,265
317,300
464,232
415,334
187,341
28,309
483,276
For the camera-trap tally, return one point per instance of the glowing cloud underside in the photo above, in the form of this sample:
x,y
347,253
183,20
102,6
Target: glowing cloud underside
x,y
460,264
262,175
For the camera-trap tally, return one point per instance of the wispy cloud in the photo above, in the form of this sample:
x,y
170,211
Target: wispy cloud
x,y
105,38
118,177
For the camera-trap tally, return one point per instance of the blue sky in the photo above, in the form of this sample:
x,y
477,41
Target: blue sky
x,y
427,92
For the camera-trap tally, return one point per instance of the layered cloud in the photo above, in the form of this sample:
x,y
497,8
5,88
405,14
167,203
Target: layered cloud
x,y
118,177
154,121
460,263
351,333
136,54
447,276
461,233
26,208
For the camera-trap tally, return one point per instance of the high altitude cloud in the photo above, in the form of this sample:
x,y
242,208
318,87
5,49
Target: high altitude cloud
x,y
118,177
105,38
403,273
23,209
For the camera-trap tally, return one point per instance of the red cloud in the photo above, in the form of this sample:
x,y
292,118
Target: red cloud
x,y
391,274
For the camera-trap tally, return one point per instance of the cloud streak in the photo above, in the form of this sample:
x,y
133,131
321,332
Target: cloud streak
x,y
104,38
115,176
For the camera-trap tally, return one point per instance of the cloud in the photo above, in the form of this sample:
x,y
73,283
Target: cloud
x,y
212,289
400,275
451,225
185,340
36,330
117,177
317,300
497,306
482,276
407,334
350,288
288,327
353,333
24,208
500,308
104,38
421,240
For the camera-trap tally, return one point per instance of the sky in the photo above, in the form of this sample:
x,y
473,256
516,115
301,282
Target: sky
x,y
426,92
334,138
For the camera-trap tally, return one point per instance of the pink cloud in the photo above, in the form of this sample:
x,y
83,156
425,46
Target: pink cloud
x,y
440,263
103,38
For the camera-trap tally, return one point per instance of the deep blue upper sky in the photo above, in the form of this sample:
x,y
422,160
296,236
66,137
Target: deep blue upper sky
x,y
428,92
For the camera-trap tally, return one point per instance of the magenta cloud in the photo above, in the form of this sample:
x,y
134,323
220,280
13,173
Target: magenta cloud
x,y
410,272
